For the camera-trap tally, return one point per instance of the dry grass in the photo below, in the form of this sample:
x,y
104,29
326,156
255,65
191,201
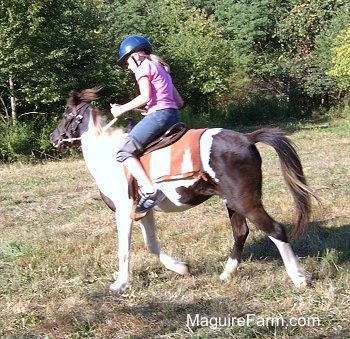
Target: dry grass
x,y
58,253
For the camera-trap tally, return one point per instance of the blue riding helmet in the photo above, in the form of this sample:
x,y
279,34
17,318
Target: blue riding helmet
x,y
132,44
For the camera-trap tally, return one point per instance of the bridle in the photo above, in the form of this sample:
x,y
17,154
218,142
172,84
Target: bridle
x,y
72,122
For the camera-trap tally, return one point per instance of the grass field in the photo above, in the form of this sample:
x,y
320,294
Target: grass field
x,y
58,254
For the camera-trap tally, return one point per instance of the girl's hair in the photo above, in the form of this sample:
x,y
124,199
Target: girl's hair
x,y
158,60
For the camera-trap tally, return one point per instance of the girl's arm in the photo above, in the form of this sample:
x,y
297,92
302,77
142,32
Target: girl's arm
x,y
140,101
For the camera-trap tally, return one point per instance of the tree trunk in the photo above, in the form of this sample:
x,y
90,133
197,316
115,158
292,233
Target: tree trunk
x,y
13,101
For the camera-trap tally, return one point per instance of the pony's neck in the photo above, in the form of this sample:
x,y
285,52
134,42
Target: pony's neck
x,y
96,123
99,153
100,147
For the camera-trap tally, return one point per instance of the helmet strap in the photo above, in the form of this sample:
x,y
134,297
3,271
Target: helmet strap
x,y
137,62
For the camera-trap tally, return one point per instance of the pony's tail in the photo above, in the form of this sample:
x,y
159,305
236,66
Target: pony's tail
x,y
293,174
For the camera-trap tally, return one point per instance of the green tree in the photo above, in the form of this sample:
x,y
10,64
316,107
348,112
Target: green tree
x,y
120,19
195,46
250,26
301,26
46,48
332,53
186,38
341,59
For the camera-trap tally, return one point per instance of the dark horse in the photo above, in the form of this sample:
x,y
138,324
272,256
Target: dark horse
x,y
232,165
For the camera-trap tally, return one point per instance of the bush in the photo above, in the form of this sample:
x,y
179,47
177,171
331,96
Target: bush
x,y
260,110
27,140
16,142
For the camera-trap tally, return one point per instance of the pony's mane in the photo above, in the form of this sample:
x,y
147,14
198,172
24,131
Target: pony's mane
x,y
87,95
99,121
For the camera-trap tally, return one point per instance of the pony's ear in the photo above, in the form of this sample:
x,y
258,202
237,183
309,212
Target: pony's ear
x,y
73,98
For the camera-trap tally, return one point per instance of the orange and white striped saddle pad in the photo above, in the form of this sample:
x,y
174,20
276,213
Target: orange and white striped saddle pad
x,y
177,161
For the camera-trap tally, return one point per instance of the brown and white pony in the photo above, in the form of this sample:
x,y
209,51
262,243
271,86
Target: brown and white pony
x,y
230,160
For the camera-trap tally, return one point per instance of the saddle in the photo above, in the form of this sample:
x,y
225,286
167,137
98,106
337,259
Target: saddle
x,y
169,137
164,141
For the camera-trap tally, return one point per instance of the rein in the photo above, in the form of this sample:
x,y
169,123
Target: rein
x,y
69,139
104,129
113,121
78,117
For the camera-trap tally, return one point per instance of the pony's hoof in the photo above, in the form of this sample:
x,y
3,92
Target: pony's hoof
x,y
118,288
182,268
225,276
303,285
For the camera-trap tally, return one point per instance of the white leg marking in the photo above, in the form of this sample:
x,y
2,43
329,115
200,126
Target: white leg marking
x,y
124,227
148,232
151,241
173,264
230,269
290,261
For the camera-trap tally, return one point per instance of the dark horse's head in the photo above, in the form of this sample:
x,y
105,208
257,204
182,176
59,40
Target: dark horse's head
x,y
75,119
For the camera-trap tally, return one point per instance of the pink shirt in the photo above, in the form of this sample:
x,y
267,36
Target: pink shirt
x,y
161,85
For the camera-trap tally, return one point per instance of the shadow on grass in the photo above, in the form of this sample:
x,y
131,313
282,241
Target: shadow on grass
x,y
159,319
317,242
320,241
173,319
208,317
135,315
196,320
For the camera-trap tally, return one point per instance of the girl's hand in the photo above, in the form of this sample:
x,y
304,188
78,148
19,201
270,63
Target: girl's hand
x,y
117,110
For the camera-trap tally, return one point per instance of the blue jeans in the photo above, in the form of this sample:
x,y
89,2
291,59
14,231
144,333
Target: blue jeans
x,y
154,124
147,130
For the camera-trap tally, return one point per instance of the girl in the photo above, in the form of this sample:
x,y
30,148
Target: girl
x,y
162,102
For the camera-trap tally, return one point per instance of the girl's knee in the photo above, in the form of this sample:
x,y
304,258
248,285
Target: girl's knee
x,y
130,148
